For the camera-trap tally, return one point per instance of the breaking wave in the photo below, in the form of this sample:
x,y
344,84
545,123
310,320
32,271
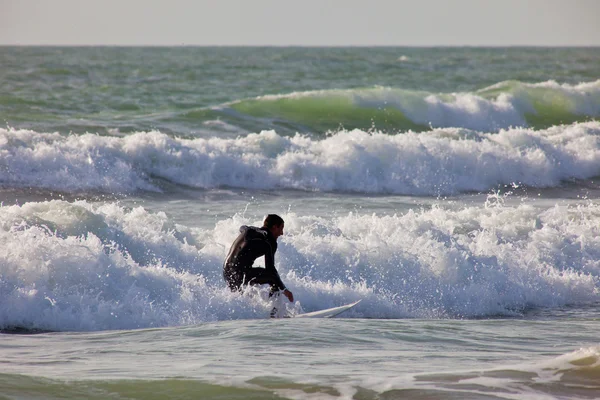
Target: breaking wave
x,y
501,106
80,266
437,162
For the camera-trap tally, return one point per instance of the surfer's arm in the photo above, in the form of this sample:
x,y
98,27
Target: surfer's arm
x,y
270,267
289,295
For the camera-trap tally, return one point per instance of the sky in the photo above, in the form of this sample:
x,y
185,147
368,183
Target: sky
x,y
301,22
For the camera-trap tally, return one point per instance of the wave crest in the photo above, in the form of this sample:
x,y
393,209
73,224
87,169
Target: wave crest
x,y
499,106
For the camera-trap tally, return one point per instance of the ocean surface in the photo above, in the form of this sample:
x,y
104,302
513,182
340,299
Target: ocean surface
x,y
455,191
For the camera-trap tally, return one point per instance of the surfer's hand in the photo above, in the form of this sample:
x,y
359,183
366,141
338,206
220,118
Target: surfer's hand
x,y
289,295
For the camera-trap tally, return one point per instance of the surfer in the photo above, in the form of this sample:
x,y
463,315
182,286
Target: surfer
x,y
252,243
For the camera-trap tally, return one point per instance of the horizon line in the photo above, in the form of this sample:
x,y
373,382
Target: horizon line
x,y
312,46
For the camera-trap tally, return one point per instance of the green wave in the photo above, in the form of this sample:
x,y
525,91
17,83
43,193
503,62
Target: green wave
x,y
506,104
327,112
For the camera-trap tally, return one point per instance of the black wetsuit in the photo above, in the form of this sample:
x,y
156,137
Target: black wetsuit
x,y
252,243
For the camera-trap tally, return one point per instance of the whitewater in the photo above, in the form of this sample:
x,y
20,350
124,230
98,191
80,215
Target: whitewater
x,y
78,266
453,191
439,162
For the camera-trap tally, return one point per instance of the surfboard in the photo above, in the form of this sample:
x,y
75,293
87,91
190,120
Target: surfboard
x,y
328,313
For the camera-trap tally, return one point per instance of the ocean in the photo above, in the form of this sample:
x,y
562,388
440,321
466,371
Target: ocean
x,y
454,191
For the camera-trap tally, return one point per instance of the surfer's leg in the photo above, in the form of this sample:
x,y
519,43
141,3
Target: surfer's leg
x,y
278,304
260,276
234,279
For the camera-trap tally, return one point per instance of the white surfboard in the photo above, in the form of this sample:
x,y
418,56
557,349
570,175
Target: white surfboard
x,y
328,313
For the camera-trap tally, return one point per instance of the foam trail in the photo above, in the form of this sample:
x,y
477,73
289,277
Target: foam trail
x,y
578,371
439,162
79,266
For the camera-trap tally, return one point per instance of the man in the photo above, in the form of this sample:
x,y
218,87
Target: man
x,y
252,243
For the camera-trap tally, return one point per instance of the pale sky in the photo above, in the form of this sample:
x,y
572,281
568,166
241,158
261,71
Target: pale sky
x,y
301,22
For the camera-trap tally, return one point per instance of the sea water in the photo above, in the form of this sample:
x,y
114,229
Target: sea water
x,y
453,190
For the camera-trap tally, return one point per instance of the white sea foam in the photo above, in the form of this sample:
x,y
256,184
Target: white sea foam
x,y
79,266
567,368
581,99
439,162
464,110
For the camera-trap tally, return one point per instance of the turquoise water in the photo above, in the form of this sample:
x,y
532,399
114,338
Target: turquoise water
x,y
453,190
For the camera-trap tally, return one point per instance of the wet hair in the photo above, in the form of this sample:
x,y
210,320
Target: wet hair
x,y
272,220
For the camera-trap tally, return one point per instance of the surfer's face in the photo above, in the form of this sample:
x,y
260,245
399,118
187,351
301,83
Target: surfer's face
x,y
277,230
